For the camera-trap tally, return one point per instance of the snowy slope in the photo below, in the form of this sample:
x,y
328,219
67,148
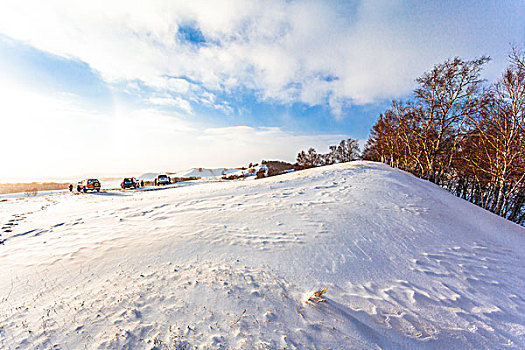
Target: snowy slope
x,y
148,176
202,172
216,173
230,264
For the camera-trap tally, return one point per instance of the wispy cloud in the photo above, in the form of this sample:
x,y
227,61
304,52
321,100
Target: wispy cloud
x,y
177,102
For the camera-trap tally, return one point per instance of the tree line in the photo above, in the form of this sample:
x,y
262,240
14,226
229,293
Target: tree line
x,y
346,151
461,133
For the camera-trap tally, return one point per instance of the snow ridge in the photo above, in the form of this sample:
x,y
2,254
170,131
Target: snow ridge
x,y
230,265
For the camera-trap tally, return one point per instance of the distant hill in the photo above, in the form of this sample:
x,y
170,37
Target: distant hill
x,y
203,172
148,176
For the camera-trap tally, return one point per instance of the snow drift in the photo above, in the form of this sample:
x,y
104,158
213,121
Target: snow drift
x,y
231,265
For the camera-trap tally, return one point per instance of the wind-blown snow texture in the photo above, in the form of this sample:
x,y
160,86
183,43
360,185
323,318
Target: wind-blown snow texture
x,y
230,265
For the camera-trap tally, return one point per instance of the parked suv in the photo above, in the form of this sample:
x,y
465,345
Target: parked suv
x,y
88,185
130,182
162,180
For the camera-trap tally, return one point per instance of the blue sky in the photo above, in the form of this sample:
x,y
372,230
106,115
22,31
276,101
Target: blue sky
x,y
168,85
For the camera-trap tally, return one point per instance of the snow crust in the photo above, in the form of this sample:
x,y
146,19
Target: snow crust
x,y
230,265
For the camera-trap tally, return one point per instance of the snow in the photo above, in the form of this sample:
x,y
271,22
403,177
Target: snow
x,y
230,265
16,195
192,172
202,172
148,176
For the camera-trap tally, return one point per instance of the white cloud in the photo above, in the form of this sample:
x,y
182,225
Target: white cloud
x,y
224,107
52,137
177,102
207,98
281,49
246,144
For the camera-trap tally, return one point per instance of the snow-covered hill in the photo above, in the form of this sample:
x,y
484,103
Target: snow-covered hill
x,y
216,173
202,172
230,265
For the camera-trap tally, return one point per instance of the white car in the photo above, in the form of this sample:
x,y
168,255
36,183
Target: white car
x,y
162,180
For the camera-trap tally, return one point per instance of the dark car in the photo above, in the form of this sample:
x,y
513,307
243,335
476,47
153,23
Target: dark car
x,y
88,185
130,182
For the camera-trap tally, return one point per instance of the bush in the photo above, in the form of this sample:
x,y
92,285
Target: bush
x,y
275,167
232,177
182,179
29,187
31,192
261,173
